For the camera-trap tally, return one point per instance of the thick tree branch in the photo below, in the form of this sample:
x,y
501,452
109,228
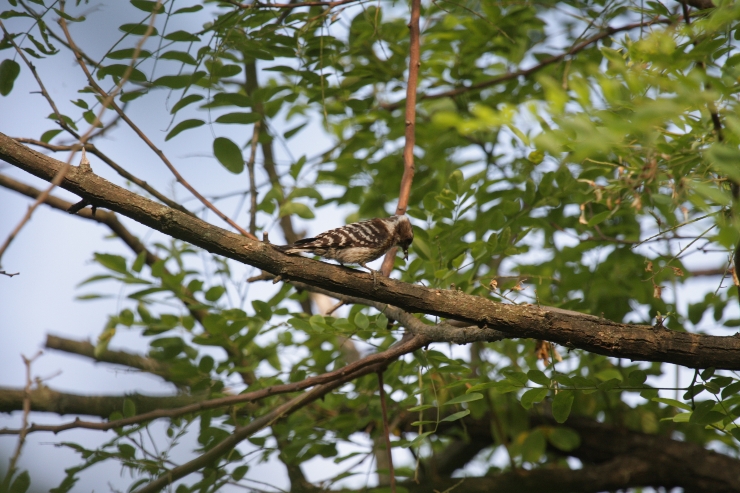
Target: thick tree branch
x,y
572,329
86,349
44,399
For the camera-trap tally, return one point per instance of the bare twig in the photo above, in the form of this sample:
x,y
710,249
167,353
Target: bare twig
x,y
24,422
44,92
243,432
252,182
107,100
92,149
9,274
386,433
357,368
144,137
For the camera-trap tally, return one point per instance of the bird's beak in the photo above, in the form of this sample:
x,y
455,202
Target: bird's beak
x,y
405,254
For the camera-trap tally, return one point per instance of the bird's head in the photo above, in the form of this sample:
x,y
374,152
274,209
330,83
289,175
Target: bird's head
x,y
404,235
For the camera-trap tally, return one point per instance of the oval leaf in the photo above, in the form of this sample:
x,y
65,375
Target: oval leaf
x,y
228,154
464,398
456,416
184,125
561,406
9,70
241,118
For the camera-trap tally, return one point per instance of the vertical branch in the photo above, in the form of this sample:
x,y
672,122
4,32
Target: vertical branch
x,y
252,182
251,85
386,433
410,121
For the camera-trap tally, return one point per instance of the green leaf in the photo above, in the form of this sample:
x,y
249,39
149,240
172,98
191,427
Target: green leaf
x,y
673,402
456,416
21,483
179,56
182,36
538,377
188,10
239,118
9,70
184,125
49,134
137,29
561,405
533,446
598,218
178,81
228,154
214,293
148,6
733,388
189,99
532,396
115,263
564,438
139,262
129,408
300,210
636,378
423,407
464,398
361,321
205,365
262,309
128,53
68,17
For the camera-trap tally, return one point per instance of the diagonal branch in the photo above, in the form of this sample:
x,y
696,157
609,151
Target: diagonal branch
x,y
572,329
344,374
241,433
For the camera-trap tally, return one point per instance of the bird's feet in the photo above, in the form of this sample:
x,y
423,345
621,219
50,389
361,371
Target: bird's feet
x,y
374,273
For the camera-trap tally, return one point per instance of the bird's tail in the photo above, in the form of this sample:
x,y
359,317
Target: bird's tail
x,y
304,245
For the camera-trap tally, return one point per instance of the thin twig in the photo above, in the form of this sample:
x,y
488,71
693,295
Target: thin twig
x,y
44,92
386,433
107,100
360,366
144,137
252,182
92,149
24,422
243,432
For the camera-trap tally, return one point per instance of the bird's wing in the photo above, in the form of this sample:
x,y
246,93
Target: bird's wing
x,y
366,234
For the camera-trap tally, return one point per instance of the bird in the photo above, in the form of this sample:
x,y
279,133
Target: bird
x,y
358,243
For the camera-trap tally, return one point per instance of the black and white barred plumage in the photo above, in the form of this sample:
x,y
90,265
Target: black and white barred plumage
x,y
358,243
